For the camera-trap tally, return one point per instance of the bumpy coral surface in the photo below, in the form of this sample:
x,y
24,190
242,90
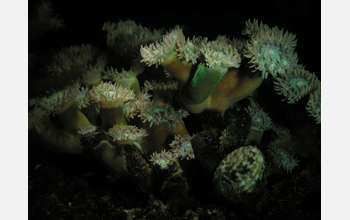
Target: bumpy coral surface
x,y
240,175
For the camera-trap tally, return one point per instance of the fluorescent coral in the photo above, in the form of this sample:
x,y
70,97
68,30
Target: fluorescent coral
x,y
59,101
181,147
105,93
87,131
269,49
314,105
139,122
162,159
124,36
127,134
295,84
260,119
216,84
85,62
219,53
282,156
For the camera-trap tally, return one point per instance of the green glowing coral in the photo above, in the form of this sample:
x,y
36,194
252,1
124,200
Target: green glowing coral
x,y
295,84
260,119
216,82
314,105
282,156
269,49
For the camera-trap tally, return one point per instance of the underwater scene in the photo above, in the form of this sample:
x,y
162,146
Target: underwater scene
x,y
139,112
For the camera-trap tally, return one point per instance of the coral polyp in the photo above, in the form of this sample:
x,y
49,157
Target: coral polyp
x,y
162,159
270,50
171,123
296,84
282,157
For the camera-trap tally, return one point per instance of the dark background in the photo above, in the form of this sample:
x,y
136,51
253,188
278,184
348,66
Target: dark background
x,y
84,19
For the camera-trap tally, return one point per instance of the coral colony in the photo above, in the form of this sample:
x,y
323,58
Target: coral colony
x,y
135,125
